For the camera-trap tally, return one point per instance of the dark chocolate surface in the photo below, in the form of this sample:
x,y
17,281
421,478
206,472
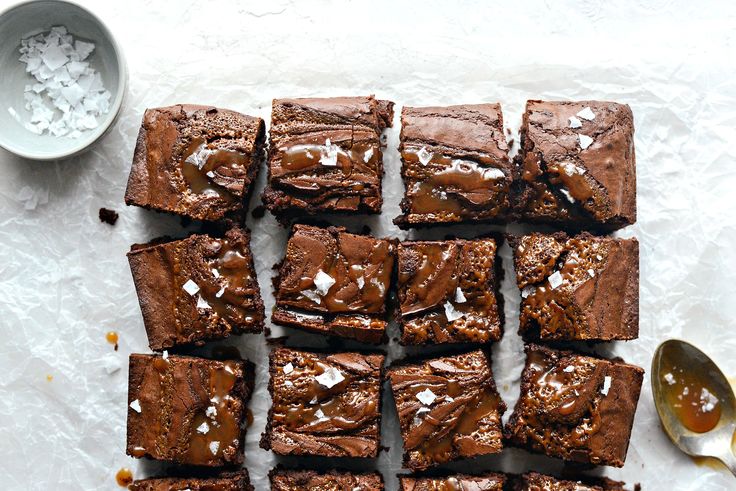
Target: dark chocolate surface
x,y
448,291
302,480
577,288
227,481
324,404
197,289
195,161
188,410
448,408
455,165
575,407
334,282
325,155
577,172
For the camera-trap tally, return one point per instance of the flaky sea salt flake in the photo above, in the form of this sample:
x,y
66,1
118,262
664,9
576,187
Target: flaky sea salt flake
x,y
606,385
426,397
424,156
323,282
585,141
555,279
459,296
191,287
288,368
451,313
575,122
330,377
586,114
214,447
204,428
136,406
202,303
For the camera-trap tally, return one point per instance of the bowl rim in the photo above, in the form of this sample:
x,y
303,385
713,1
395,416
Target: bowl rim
x,y
117,102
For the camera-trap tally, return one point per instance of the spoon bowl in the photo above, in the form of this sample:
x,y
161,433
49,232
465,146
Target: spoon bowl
x,y
697,366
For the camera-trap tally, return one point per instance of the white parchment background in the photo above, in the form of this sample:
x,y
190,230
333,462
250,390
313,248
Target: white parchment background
x,y
64,279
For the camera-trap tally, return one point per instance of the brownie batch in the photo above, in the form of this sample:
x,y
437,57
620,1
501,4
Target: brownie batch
x,y
575,171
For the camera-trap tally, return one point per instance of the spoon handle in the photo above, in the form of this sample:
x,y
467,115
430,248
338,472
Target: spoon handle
x,y
729,459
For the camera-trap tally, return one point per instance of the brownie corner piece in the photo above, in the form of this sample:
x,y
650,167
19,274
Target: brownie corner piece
x,y
197,289
188,410
575,407
335,283
455,166
448,408
299,480
195,161
577,165
326,155
226,481
324,404
492,481
449,291
582,287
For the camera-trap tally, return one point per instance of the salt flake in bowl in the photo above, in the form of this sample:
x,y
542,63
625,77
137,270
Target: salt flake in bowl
x,y
63,79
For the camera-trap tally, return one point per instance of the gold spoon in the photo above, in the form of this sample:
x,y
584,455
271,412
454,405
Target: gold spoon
x,y
695,402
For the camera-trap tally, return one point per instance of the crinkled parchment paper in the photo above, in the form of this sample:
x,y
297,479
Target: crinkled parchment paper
x,y
64,279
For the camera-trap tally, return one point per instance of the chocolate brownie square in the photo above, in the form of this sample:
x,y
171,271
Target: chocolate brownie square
x,y
448,291
333,282
188,410
195,161
227,481
575,407
197,289
577,288
493,481
577,165
300,480
455,165
326,156
324,404
533,481
448,408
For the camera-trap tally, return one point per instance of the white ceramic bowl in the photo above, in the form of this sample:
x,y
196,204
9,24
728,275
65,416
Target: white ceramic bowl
x,y
107,58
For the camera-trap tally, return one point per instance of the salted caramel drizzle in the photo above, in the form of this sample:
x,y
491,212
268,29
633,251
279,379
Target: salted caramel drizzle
x,y
439,192
201,168
330,155
214,429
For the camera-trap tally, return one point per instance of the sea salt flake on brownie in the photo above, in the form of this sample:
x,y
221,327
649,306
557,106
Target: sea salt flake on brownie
x,y
585,141
451,313
586,114
426,397
606,385
136,406
311,296
424,156
575,122
323,282
288,368
214,447
555,279
330,377
191,287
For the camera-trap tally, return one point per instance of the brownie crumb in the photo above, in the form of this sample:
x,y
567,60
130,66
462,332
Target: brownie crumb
x,y
258,212
108,216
